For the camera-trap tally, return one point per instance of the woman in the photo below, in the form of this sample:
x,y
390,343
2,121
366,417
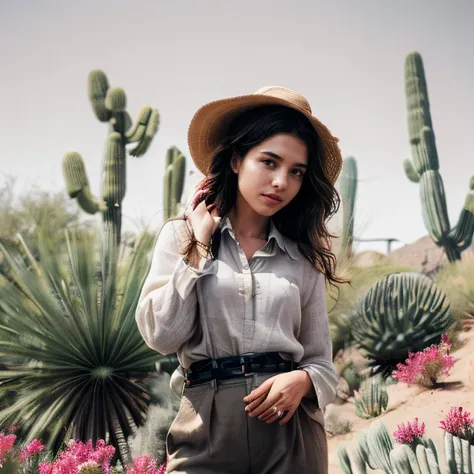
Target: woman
x,y
237,289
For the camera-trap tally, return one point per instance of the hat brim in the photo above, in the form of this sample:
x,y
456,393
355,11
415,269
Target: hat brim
x,y
210,123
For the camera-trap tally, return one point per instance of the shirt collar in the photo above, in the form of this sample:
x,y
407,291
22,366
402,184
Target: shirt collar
x,y
287,245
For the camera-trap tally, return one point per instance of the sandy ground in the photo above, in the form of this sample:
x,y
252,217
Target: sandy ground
x,y
406,403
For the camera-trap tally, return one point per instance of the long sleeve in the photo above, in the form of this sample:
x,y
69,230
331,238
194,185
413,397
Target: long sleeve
x,y
316,341
166,310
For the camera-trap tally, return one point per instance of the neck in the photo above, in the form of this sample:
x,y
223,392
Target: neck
x,y
247,223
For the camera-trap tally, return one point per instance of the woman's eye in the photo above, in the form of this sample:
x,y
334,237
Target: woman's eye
x,y
268,162
299,173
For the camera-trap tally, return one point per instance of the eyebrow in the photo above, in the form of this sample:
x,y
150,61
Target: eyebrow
x,y
278,157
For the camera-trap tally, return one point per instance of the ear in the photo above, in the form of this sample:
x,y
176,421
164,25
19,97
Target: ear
x,y
235,164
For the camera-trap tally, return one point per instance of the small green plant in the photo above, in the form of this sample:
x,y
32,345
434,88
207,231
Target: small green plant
x,y
401,313
372,400
335,426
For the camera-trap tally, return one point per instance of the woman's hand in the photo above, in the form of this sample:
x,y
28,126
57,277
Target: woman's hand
x,y
203,219
283,391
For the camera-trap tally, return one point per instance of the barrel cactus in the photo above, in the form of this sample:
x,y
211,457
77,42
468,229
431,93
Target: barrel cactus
x,y
175,169
403,312
425,167
348,184
372,399
109,104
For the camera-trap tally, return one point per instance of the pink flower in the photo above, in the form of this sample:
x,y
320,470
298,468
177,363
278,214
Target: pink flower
x,y
78,454
409,433
33,448
6,446
459,423
425,367
145,465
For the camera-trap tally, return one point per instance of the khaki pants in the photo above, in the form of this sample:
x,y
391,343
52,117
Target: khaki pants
x,y
212,434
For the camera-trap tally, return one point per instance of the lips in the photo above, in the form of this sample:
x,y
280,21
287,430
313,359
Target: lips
x,y
273,197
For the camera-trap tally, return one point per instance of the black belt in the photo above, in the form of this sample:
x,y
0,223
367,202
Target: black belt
x,y
223,368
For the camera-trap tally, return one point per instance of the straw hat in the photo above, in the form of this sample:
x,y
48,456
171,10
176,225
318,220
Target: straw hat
x,y
209,126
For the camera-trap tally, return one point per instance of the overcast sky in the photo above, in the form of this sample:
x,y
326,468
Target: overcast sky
x,y
345,56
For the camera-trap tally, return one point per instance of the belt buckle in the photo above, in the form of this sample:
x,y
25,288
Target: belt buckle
x,y
243,368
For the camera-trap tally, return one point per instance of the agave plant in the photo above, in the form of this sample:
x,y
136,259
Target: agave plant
x,y
403,312
69,345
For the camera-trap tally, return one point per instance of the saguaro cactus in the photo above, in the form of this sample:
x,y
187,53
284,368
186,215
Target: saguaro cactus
x,y
348,182
109,106
425,167
173,181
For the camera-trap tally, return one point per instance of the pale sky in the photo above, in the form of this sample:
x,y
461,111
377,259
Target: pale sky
x,y
345,56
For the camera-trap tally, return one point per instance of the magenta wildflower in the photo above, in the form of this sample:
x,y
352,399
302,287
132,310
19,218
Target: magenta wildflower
x,y
425,367
409,433
6,446
33,448
459,423
145,465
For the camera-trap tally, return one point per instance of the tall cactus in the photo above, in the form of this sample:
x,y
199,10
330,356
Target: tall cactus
x,y
109,106
175,169
348,183
425,167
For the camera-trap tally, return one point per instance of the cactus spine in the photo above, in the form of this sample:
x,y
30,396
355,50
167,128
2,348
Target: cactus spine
x,y
109,105
425,167
175,169
348,181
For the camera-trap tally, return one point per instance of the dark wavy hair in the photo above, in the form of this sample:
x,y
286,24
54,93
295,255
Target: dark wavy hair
x,y
304,219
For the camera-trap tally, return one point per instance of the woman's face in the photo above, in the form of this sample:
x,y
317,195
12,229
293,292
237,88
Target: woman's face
x,y
271,174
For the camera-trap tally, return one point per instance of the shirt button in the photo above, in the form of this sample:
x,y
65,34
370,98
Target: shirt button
x,y
246,267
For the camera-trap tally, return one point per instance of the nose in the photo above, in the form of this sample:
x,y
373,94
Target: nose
x,y
280,180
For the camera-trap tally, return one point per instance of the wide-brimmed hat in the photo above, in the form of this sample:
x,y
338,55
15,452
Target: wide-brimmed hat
x,y
210,123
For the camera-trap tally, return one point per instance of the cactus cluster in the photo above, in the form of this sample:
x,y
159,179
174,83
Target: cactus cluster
x,y
108,104
403,312
375,449
175,169
425,167
372,400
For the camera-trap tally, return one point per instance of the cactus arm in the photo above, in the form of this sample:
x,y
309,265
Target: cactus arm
x,y
89,203
138,130
380,444
98,85
364,452
462,234
410,171
77,184
403,460
152,125
426,460
434,210
344,461
177,184
167,192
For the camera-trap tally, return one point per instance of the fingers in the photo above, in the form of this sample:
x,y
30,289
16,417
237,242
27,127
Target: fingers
x,y
287,417
252,405
262,389
265,408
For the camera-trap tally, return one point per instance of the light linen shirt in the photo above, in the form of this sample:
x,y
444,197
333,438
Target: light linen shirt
x,y
230,306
